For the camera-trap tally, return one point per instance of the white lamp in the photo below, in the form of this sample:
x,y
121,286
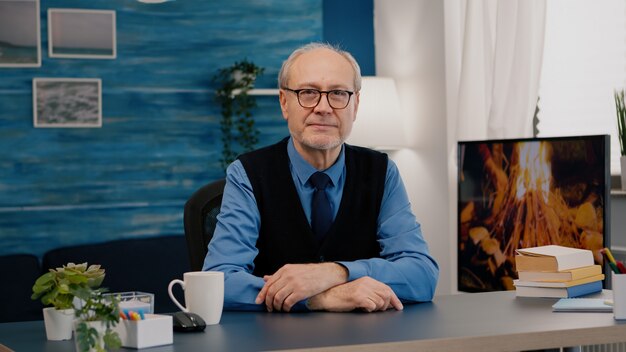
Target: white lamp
x,y
378,122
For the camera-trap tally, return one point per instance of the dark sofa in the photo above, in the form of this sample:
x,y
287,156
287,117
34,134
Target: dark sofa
x,y
146,264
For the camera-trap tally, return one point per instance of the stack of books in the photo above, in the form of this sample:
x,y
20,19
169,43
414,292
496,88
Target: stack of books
x,y
556,271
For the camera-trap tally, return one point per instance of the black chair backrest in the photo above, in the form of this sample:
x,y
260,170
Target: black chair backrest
x,y
19,272
200,219
138,264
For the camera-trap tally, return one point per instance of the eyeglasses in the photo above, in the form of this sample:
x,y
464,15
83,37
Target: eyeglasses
x,y
310,98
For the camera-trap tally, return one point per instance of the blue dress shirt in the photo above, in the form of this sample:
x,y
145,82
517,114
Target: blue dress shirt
x,y
405,264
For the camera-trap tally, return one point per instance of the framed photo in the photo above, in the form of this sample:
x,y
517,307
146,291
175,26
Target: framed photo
x,y
74,33
67,102
20,44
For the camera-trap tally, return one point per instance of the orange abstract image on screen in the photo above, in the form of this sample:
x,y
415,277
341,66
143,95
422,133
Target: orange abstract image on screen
x,y
524,194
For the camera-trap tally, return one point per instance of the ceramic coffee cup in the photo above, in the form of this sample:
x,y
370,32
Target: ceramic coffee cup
x,y
204,294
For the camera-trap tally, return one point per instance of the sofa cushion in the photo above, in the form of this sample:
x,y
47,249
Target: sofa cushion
x,y
146,264
18,273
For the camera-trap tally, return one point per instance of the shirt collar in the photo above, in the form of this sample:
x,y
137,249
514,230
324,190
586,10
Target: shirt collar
x,y
303,170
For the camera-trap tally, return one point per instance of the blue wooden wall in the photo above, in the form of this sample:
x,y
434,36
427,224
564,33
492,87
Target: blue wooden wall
x,y
160,138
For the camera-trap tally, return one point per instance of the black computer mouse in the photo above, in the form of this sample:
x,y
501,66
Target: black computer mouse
x,y
188,322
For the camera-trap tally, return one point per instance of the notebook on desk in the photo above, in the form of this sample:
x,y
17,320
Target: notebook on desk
x,y
582,305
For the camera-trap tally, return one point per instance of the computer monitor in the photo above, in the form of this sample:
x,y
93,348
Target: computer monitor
x,y
521,193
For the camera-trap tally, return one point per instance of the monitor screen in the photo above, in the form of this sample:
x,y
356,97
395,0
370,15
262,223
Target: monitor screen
x,y
524,193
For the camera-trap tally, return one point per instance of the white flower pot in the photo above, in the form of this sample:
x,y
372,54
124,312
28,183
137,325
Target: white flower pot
x,y
238,76
99,326
58,323
622,161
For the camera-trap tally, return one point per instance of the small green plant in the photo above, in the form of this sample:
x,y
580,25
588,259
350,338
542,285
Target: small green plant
x,y
236,107
620,109
96,307
58,286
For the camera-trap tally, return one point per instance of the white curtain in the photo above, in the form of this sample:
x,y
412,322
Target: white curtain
x,y
493,56
493,63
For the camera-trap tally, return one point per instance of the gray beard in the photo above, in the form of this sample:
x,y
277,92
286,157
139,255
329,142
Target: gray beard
x,y
323,146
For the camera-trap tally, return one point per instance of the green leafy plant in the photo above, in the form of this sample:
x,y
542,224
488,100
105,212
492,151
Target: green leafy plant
x,y
96,307
620,109
58,286
236,108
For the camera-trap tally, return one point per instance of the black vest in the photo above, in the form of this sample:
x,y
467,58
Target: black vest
x,y
286,237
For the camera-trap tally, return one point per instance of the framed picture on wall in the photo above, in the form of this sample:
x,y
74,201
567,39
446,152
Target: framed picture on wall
x,y
20,44
67,102
76,33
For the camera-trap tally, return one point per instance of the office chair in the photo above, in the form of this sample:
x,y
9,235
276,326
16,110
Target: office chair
x,y
200,218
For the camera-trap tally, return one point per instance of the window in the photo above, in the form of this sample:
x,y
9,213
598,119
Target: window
x,y
584,62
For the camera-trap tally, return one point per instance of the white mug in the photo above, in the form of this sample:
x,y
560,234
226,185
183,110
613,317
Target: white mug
x,y
204,294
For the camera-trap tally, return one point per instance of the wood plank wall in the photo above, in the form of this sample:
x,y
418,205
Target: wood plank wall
x,y
160,138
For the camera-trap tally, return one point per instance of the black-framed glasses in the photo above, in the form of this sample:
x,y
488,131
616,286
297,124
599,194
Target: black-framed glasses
x,y
309,98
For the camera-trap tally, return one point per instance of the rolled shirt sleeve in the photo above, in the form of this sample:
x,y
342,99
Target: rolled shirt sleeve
x,y
405,264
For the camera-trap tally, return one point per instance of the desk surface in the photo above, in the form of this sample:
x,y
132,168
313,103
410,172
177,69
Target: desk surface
x,y
470,322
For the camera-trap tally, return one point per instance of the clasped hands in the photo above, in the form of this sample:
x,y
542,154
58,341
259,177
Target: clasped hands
x,y
326,288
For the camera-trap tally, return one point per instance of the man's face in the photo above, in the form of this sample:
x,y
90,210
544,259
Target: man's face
x,y
321,127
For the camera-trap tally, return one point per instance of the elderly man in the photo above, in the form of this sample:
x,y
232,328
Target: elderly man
x,y
311,223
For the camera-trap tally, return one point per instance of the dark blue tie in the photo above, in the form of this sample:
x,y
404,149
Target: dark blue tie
x,y
321,216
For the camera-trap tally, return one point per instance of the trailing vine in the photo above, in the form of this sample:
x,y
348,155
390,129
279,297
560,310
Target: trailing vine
x,y
237,108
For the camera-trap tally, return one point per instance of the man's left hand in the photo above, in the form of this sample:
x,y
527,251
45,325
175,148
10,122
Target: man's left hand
x,y
295,282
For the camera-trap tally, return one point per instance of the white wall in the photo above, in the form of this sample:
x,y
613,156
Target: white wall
x,y
409,42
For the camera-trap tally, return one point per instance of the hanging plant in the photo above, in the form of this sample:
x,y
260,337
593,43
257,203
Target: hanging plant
x,y
236,107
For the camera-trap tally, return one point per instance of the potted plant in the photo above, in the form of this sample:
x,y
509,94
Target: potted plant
x,y
236,107
620,109
96,317
57,288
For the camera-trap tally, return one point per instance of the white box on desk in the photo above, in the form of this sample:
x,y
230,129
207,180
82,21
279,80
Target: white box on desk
x,y
154,330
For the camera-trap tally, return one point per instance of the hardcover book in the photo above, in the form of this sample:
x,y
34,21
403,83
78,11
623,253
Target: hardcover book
x,y
560,276
559,292
570,283
552,258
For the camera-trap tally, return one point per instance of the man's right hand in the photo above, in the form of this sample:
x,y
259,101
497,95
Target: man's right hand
x,y
295,282
365,293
